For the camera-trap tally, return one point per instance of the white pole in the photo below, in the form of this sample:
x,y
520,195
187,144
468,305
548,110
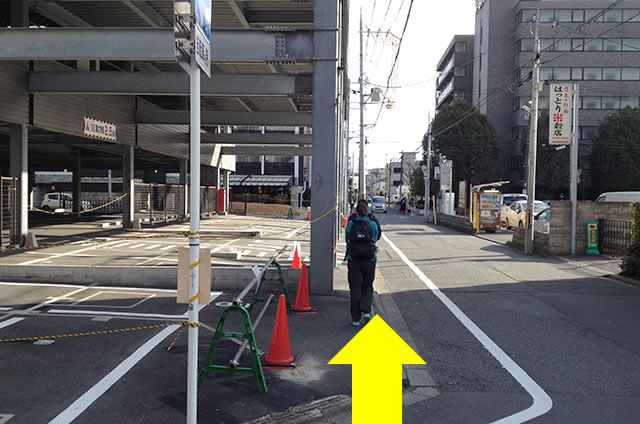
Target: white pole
x,y
427,180
361,182
574,167
194,247
533,145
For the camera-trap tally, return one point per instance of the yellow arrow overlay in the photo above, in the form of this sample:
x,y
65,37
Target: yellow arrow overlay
x,y
376,354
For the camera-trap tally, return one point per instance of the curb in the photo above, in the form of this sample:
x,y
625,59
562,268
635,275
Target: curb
x,y
309,413
624,279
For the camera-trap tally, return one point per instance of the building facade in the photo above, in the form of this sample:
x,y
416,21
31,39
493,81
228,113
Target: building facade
x,y
582,42
455,72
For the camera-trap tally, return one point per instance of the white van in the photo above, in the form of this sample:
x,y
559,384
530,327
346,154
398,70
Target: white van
x,y
619,196
53,201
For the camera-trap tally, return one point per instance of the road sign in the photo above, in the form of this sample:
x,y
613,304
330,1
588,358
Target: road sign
x,y
560,114
192,33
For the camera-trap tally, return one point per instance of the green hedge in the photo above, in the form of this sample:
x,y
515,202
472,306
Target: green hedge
x,y
631,262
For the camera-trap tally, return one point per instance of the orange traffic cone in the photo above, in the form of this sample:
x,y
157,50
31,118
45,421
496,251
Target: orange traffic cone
x,y
296,256
279,355
301,306
346,219
308,214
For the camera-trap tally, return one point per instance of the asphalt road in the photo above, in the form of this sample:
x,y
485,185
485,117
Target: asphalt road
x,y
574,335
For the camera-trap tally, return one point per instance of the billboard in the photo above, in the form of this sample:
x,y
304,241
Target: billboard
x,y
202,36
560,114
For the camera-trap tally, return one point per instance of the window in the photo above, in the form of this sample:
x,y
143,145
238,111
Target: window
x,y
631,44
543,102
577,15
576,74
546,15
459,71
563,15
614,15
524,45
546,74
631,101
458,95
631,74
631,15
546,44
562,45
593,45
526,15
481,33
612,45
591,102
516,162
593,15
610,102
577,44
461,46
611,74
588,133
396,183
592,74
562,74
397,170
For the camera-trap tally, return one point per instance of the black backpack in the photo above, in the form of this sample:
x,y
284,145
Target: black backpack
x,y
361,244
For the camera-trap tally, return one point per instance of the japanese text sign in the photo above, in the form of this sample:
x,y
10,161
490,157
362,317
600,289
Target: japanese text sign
x,y
560,114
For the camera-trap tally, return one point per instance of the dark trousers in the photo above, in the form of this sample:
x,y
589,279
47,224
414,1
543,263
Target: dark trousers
x,y
361,276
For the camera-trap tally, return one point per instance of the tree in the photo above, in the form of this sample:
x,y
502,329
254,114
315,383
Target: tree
x,y
552,166
616,152
416,182
464,135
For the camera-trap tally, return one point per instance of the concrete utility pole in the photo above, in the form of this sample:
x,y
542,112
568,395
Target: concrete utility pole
x,y
401,172
574,167
427,179
361,180
533,141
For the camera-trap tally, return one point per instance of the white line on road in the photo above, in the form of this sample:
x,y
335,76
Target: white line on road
x,y
84,401
136,246
115,314
542,403
5,308
9,322
153,246
171,246
292,233
59,255
119,245
261,254
246,252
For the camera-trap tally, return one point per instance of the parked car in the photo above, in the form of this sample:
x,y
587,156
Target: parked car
x,y
541,221
619,196
53,201
507,200
378,204
516,215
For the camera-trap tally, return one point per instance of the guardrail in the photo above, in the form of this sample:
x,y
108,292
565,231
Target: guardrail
x,y
238,307
8,211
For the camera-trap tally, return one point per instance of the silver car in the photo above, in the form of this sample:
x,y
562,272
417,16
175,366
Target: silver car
x,y
378,204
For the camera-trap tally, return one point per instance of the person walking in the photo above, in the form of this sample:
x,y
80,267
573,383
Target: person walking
x,y
361,235
412,206
403,205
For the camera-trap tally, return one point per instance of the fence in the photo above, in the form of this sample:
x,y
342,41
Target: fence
x,y
8,211
615,236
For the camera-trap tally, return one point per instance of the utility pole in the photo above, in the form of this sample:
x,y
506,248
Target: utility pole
x,y
401,172
533,142
574,167
427,179
361,181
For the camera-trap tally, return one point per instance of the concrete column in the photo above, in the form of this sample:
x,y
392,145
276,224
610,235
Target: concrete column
x,y
19,168
184,205
324,148
19,13
77,186
128,186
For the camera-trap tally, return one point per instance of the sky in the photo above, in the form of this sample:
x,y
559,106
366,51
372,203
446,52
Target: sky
x,y
431,27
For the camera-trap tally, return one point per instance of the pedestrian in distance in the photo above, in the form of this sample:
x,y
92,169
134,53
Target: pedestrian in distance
x,y
403,205
361,235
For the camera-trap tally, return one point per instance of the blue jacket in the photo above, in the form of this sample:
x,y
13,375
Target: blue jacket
x,y
374,228
373,218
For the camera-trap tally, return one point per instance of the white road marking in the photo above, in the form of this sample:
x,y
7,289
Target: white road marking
x,y
119,245
216,249
115,314
10,321
246,252
84,401
59,255
5,308
155,258
153,246
171,246
542,403
5,417
136,246
307,259
292,233
261,254
43,342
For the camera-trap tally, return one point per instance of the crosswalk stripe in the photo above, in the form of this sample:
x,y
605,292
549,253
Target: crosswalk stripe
x,y
136,246
153,246
261,254
246,252
171,246
120,245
